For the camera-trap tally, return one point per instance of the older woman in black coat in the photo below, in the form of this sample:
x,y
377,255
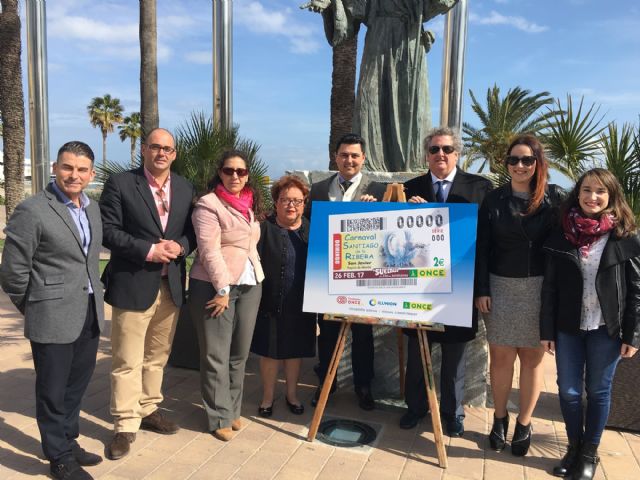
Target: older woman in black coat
x,y
283,333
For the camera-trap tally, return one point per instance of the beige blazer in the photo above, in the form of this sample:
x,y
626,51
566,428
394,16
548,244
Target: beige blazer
x,y
225,240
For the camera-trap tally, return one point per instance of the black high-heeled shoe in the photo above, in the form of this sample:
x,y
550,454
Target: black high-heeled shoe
x,y
266,412
569,461
498,435
295,409
521,439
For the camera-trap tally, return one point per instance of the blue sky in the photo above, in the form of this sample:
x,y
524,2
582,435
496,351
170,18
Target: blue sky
x,y
282,65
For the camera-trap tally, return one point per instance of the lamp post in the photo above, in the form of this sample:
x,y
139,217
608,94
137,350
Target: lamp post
x,y
223,63
38,94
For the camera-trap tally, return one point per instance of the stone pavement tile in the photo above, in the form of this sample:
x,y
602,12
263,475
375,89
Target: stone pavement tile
x,y
236,452
376,470
308,459
616,458
263,465
419,470
171,471
283,442
496,468
214,471
343,468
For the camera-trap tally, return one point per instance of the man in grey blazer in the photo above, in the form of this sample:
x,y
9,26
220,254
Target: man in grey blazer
x,y
349,184
50,272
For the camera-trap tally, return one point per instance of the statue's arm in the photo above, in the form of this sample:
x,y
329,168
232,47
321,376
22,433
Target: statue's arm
x,y
433,8
338,18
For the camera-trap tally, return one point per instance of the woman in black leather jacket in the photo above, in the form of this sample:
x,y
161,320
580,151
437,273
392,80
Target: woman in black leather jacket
x,y
513,222
590,314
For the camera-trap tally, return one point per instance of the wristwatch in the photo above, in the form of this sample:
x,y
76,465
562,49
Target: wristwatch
x,y
224,291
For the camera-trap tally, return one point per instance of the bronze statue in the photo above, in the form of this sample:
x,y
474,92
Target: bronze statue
x,y
392,103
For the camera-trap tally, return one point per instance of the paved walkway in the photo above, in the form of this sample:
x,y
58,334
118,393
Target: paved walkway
x,y
276,448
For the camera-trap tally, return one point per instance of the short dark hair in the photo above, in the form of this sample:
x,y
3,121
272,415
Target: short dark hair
x,y
77,148
350,139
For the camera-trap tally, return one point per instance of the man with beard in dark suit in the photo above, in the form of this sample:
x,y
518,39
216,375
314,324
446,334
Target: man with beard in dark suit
x,y
443,183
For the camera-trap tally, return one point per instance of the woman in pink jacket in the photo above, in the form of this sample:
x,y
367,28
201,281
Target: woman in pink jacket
x,y
225,289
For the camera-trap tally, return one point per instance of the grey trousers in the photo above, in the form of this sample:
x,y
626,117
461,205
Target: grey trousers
x,y
224,347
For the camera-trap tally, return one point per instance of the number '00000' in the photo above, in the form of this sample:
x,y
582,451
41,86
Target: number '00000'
x,y
418,221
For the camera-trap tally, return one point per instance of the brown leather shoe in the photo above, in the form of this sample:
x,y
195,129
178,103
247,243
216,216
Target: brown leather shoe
x,y
236,424
224,434
120,445
159,424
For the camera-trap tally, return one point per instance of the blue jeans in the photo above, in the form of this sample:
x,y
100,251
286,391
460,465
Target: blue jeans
x,y
599,353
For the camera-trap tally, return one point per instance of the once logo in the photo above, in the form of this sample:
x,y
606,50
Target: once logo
x,y
417,306
341,300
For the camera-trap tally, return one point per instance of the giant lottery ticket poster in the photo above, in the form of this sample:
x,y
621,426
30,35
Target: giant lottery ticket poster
x,y
394,261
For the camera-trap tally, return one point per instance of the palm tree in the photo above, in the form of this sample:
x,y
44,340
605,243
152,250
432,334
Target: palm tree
x,y
199,145
621,151
148,34
105,113
573,138
11,104
343,92
518,112
132,130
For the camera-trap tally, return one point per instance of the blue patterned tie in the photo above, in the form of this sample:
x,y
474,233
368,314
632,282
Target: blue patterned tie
x,y
439,191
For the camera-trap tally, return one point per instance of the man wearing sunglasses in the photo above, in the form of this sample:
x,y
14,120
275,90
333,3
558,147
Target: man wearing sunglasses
x,y
349,184
146,215
444,182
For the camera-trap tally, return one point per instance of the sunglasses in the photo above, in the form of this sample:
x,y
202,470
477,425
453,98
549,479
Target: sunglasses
x,y
527,160
155,148
433,149
241,172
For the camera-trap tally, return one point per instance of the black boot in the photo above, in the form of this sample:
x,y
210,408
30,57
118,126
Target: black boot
x,y
568,462
587,462
521,439
498,435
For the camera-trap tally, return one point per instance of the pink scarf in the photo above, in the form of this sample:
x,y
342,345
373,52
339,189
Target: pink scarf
x,y
243,203
583,231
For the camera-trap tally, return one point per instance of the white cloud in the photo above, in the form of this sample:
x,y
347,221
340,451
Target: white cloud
x,y
202,57
520,23
257,19
82,28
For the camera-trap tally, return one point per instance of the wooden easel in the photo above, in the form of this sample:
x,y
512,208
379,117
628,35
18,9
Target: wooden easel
x,y
395,192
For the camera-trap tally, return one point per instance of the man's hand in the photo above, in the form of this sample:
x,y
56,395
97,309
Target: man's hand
x,y
218,305
174,247
368,198
417,199
164,251
316,5
627,351
549,346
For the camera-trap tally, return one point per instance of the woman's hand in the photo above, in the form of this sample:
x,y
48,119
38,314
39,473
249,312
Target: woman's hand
x,y
549,346
627,351
483,304
218,305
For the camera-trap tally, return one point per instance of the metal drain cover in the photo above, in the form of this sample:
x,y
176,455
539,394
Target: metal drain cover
x,y
346,433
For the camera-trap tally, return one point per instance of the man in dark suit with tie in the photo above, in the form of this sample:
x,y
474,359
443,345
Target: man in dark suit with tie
x,y
443,183
50,272
146,215
349,184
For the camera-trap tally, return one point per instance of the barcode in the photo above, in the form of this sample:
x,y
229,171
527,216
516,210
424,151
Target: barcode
x,y
363,224
386,282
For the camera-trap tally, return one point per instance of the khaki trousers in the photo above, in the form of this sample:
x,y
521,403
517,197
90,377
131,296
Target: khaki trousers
x,y
141,343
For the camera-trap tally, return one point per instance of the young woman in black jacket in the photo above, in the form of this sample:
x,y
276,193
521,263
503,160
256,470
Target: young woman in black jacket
x,y
590,314
513,222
